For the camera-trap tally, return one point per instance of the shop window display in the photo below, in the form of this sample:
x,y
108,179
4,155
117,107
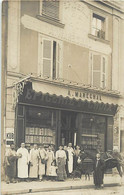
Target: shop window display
x,y
93,132
40,126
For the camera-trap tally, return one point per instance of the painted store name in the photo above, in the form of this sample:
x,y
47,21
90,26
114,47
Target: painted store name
x,y
84,95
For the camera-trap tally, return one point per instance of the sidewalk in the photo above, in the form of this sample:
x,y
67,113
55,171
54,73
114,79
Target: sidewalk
x,y
36,186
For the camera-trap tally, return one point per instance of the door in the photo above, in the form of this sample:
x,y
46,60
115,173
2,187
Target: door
x,y
68,128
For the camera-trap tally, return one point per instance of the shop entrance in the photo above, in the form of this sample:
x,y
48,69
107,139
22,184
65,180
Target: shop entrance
x,y
68,128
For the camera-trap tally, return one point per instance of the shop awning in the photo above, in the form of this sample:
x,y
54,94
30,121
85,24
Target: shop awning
x,y
32,97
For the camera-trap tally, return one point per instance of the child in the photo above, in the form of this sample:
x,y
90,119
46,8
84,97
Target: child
x,y
53,168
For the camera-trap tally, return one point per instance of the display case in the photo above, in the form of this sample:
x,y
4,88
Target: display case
x,y
37,135
89,141
93,132
40,126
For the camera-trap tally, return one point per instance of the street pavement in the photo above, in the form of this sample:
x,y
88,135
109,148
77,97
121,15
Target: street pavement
x,y
117,190
70,186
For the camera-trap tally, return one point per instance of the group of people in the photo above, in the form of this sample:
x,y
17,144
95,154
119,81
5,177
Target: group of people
x,y
40,163
44,162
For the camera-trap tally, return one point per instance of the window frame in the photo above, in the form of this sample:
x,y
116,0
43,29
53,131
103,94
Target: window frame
x,y
102,16
59,52
95,28
101,70
43,39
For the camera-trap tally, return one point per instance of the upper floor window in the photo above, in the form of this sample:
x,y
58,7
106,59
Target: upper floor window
x,y
98,70
98,26
51,9
50,58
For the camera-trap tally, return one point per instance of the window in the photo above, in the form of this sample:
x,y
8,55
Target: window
x,y
98,26
98,69
50,58
51,9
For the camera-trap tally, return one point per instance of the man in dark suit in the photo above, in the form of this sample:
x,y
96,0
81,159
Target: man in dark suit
x,y
98,168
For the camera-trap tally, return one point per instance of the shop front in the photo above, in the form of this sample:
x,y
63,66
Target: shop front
x,y
45,118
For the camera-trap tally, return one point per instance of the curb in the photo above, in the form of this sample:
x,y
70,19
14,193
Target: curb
x,y
54,189
15,192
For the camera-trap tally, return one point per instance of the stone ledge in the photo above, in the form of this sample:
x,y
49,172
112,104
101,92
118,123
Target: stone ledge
x,y
49,20
98,39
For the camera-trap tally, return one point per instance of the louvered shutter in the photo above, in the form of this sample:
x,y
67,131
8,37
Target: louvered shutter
x,y
96,71
51,8
103,81
59,60
47,57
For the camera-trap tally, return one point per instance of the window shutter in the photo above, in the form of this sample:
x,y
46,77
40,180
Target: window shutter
x,y
103,72
58,60
51,8
20,125
47,57
96,74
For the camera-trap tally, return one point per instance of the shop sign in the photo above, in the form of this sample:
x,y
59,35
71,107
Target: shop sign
x,y
9,136
32,97
84,95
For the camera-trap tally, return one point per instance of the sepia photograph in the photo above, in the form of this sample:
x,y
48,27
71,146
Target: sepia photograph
x,y
62,97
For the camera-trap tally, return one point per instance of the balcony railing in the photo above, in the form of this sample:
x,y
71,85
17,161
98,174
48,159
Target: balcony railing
x,y
101,34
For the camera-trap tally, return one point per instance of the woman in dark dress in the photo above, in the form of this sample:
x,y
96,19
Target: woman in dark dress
x,y
98,167
10,170
60,161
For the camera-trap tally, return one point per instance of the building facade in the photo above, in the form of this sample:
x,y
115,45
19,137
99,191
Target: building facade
x,y
63,73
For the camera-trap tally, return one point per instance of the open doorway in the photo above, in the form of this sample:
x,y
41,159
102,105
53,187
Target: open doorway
x,y
68,128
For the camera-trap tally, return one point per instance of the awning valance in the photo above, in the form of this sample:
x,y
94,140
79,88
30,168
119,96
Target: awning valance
x,y
32,97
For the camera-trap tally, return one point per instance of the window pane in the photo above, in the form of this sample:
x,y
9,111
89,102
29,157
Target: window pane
x,y
94,22
99,24
94,31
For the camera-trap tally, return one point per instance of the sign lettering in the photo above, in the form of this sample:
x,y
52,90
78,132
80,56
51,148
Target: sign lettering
x,y
84,95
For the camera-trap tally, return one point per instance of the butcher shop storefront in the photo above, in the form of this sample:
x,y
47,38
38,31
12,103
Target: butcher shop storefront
x,y
47,114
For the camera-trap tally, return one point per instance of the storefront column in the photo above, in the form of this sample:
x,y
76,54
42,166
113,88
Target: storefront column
x,y
58,129
20,126
79,127
109,134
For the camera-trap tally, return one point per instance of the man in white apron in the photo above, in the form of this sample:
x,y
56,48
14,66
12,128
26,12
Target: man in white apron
x,y
70,158
34,159
23,161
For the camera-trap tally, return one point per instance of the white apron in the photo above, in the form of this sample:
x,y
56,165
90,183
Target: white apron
x,y
23,163
70,161
43,155
50,156
34,157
